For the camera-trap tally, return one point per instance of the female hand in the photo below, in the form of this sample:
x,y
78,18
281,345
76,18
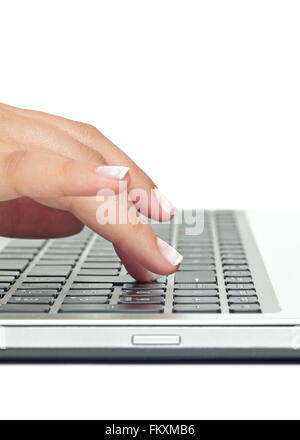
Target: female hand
x,y
51,171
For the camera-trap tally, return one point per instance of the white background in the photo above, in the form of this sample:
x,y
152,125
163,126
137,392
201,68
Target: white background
x,y
205,95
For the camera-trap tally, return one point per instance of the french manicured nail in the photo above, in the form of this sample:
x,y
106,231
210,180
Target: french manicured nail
x,y
169,252
118,173
165,204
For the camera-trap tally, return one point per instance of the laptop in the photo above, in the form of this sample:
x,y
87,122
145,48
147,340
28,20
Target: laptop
x,y
72,299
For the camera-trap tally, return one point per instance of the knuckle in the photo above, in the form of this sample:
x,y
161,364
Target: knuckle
x,y
14,161
87,131
91,155
5,114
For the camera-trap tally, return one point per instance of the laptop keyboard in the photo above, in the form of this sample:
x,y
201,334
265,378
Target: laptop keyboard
x,y
82,275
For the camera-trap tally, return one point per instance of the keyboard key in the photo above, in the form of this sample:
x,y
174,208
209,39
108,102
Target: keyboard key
x,y
196,293
237,267
195,277
141,299
95,272
245,308
107,308
49,280
7,279
144,286
238,280
245,273
24,308
35,293
113,259
198,286
51,271
14,265
4,286
233,262
10,273
111,279
193,268
101,266
146,292
197,300
16,255
86,300
243,293
56,262
41,286
96,293
91,286
46,300
25,243
243,300
240,286
59,260
199,308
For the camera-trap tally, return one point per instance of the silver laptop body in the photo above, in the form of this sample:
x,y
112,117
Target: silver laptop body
x,y
72,299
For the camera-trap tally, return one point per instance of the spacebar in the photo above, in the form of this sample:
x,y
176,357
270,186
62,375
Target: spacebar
x,y
107,308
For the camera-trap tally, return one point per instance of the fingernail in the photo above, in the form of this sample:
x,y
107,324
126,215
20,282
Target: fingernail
x,y
118,173
169,252
165,204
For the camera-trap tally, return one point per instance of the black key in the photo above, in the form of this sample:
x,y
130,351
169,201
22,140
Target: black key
x,y
240,286
4,286
101,266
245,308
81,293
231,273
14,265
107,308
143,286
10,273
35,293
198,286
60,280
24,308
91,286
146,292
41,286
7,279
195,267
196,293
95,272
86,300
199,308
243,300
141,300
47,300
197,300
243,293
195,277
51,271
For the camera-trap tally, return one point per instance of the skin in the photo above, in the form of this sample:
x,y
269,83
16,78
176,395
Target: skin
x,y
49,186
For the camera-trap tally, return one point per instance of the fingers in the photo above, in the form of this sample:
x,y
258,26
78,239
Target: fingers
x,y
148,199
24,218
44,174
117,220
